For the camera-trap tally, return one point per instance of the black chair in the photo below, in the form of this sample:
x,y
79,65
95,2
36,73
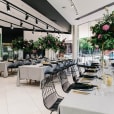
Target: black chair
x,y
68,63
14,65
71,68
51,99
66,86
27,62
75,73
52,71
112,64
95,70
89,67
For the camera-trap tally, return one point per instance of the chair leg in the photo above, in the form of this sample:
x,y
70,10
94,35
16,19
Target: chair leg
x,y
51,112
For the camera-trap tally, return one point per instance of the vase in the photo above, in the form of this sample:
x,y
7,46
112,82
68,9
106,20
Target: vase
x,y
50,54
53,55
46,53
20,54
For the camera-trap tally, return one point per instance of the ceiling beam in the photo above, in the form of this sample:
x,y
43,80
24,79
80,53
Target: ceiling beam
x,y
99,9
19,19
27,29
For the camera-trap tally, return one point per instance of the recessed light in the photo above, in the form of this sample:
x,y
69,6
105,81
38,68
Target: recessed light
x,y
77,18
64,7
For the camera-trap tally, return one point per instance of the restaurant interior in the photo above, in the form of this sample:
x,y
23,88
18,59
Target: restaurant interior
x,y
56,57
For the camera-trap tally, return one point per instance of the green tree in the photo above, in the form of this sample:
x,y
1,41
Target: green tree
x,y
85,44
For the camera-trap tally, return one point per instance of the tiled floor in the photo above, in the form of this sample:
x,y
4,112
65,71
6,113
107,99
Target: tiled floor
x,y
25,99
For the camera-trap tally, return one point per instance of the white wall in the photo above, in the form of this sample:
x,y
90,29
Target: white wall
x,y
28,35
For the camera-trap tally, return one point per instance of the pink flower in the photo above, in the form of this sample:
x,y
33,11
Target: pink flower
x,y
105,27
99,36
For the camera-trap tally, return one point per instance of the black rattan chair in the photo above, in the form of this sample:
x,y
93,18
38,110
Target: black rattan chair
x,y
66,86
75,73
14,65
90,76
112,64
51,99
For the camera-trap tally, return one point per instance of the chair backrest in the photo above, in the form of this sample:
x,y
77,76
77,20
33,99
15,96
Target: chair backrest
x,y
27,62
81,70
18,63
64,81
75,73
49,93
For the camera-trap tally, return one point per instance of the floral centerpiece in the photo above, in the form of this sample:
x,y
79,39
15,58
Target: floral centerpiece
x,y
104,33
50,42
25,45
28,46
51,45
17,43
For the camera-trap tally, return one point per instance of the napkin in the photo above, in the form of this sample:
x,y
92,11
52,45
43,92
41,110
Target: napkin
x,y
81,92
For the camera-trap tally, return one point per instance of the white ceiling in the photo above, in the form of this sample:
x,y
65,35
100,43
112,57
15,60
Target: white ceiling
x,y
83,7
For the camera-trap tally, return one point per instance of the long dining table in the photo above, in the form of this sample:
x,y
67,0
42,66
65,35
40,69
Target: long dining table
x,y
33,72
75,103
98,101
3,69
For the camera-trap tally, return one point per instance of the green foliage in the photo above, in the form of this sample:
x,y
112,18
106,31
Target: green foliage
x,y
25,45
109,44
17,43
85,44
28,46
47,42
104,32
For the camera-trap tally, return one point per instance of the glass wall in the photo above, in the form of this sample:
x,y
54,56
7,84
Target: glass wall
x,y
86,50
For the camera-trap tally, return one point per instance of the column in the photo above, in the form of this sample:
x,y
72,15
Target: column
x,y
0,44
75,43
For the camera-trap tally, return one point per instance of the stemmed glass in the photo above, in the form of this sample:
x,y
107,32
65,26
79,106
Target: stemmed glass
x,y
105,86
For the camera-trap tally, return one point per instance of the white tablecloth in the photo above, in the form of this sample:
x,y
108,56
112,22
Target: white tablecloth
x,y
34,72
3,69
75,103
